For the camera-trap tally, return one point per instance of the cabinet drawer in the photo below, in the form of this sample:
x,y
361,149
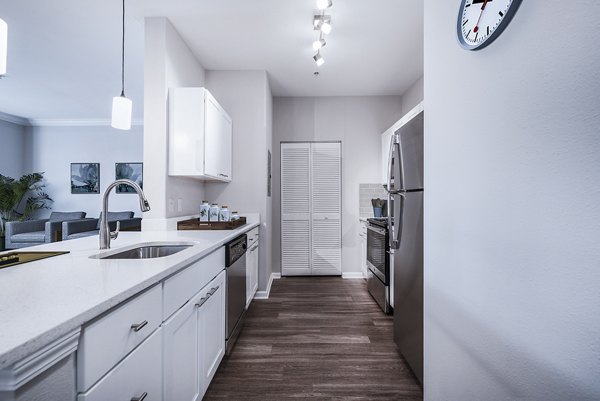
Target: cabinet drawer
x,y
183,285
107,340
252,236
140,373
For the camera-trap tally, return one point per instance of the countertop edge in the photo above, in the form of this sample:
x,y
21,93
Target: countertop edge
x,y
33,345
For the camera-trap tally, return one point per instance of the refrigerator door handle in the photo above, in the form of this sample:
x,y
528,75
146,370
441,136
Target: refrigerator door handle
x,y
390,159
396,229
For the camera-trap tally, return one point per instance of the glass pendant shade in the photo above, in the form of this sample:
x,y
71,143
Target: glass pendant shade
x,y
121,113
3,46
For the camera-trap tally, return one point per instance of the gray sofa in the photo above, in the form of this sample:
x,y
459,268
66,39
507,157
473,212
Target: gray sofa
x,y
88,227
20,234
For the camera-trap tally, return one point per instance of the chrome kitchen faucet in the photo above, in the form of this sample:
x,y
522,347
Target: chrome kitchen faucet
x,y
105,234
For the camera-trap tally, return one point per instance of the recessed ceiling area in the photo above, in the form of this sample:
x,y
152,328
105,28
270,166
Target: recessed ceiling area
x,y
64,55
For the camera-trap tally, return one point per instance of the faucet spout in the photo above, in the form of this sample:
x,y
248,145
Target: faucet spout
x,y
105,234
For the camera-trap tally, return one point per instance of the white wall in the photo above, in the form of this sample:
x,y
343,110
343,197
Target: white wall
x,y
168,63
356,121
52,150
512,207
246,97
413,96
12,149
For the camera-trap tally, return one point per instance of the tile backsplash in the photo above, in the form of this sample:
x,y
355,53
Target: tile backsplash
x,y
366,193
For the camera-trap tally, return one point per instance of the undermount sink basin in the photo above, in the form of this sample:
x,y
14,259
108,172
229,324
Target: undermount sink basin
x,y
146,252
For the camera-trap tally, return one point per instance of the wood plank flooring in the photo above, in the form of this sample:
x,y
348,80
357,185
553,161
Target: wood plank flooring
x,y
315,338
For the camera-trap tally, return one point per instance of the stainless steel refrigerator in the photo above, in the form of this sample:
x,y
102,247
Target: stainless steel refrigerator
x,y
405,200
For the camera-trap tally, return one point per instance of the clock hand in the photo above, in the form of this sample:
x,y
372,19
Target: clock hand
x,y
479,19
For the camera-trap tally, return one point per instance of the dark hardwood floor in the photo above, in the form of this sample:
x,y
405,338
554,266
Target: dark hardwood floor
x,y
315,339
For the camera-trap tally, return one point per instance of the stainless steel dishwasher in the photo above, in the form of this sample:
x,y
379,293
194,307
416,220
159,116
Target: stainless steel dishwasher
x,y
235,268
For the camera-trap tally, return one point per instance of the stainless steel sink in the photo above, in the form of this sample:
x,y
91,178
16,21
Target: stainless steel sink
x,y
146,252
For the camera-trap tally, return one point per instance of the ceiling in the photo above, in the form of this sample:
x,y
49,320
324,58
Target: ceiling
x,y
64,55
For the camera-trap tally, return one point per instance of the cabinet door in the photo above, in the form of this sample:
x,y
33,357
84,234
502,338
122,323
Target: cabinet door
x,y
137,375
249,278
218,137
211,323
181,365
254,283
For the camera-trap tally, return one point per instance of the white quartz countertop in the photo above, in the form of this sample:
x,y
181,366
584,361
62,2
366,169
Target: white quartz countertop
x,y
44,300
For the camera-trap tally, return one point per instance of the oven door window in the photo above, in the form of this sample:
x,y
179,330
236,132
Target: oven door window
x,y
377,241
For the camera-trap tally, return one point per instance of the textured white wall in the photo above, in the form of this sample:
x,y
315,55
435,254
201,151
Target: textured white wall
x,y
168,63
246,98
356,121
52,150
512,207
12,149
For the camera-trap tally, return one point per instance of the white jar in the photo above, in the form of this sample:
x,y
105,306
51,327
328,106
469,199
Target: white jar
x,y
213,212
224,214
204,210
234,216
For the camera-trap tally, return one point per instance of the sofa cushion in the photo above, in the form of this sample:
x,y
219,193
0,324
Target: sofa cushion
x,y
65,216
115,216
83,234
33,237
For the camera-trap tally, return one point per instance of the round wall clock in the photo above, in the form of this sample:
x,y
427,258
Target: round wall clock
x,y
480,22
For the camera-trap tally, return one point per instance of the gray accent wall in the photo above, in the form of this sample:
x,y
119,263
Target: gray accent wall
x,y
13,149
512,207
358,123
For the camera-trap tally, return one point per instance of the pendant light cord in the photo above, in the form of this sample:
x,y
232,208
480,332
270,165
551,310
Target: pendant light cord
x,y
123,54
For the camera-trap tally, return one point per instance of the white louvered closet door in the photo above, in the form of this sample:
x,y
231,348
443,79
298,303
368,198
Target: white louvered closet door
x,y
295,209
311,208
326,188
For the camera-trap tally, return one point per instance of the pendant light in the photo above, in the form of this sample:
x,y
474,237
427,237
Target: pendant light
x,y
122,106
3,46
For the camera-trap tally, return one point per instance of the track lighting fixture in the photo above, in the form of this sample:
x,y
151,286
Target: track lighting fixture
x,y
326,28
318,59
122,106
319,44
323,4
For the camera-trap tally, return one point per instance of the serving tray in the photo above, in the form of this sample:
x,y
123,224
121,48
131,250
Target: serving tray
x,y
196,224
20,257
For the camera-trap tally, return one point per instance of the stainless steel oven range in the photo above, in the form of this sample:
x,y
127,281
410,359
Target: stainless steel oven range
x,y
378,262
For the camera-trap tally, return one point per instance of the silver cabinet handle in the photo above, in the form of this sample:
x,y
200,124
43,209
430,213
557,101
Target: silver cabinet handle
x,y
223,175
213,290
202,301
138,326
141,397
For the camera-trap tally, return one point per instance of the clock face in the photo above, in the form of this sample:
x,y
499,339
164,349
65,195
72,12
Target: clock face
x,y
482,21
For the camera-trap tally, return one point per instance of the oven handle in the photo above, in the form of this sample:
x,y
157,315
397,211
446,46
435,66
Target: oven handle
x,y
377,230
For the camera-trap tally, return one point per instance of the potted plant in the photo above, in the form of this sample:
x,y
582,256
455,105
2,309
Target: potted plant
x,y
20,199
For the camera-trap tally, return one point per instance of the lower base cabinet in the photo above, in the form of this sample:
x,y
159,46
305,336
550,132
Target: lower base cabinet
x,y
194,343
137,377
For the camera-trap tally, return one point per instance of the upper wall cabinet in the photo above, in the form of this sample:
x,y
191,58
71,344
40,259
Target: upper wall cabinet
x,y
200,135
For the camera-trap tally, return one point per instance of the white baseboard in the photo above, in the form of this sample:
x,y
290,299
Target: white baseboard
x,y
352,275
265,294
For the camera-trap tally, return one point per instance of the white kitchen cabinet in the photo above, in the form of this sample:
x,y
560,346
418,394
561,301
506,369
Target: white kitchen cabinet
x,y
252,265
200,136
211,323
194,343
180,344
105,341
138,376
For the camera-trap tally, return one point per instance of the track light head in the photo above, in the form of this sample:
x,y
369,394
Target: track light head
x,y
318,59
324,4
320,20
318,44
